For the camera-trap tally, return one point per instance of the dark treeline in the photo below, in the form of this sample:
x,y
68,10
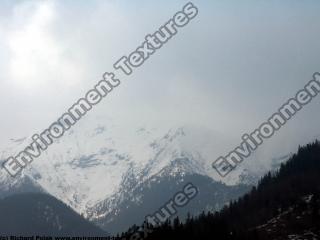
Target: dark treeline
x,y
276,192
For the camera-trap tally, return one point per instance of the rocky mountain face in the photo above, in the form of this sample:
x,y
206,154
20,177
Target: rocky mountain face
x,y
132,203
106,172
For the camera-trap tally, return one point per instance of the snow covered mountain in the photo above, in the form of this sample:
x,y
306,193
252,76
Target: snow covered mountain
x,y
96,169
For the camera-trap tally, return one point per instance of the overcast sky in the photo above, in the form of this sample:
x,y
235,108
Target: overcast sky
x,y
229,69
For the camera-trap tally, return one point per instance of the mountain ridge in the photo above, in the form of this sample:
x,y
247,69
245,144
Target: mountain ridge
x,y
93,164
41,214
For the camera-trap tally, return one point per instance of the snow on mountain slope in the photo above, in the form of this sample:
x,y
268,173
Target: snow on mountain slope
x,y
89,163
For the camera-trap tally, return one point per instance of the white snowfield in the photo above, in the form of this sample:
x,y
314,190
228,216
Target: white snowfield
x,y
87,165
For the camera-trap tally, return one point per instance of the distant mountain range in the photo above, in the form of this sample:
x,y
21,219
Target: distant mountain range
x,y
112,175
